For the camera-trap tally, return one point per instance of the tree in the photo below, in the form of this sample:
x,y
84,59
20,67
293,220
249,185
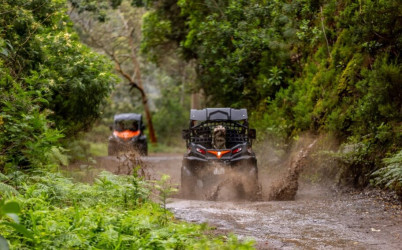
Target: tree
x,y
121,43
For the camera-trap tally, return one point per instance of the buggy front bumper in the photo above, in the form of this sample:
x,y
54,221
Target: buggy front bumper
x,y
208,168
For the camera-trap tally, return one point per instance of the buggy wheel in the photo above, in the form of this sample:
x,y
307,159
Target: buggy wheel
x,y
143,149
254,192
251,186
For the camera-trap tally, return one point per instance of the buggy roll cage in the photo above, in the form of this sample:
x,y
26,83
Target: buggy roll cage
x,y
234,120
128,117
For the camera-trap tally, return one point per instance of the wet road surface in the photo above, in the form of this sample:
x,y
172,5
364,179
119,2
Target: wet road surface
x,y
349,221
319,218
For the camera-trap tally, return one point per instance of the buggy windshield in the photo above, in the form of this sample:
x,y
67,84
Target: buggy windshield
x,y
126,125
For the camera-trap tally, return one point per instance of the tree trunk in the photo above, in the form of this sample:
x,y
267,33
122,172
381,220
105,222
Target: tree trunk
x,y
195,101
148,115
137,73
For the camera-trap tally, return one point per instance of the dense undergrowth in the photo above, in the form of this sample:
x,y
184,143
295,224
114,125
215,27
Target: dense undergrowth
x,y
50,211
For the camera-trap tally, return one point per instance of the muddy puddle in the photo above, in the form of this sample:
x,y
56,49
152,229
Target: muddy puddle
x,y
318,218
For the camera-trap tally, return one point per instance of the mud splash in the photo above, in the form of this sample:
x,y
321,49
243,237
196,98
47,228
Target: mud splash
x,y
283,188
286,188
235,187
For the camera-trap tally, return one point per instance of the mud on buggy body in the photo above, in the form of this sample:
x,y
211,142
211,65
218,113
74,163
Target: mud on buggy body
x,y
219,144
128,134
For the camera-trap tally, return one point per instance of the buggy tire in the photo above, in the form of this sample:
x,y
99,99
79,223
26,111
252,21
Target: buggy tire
x,y
251,186
254,190
143,149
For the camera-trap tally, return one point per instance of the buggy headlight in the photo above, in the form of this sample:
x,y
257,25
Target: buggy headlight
x,y
237,150
201,151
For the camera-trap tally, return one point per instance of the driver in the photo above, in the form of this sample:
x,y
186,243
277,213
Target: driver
x,y
134,126
120,126
219,137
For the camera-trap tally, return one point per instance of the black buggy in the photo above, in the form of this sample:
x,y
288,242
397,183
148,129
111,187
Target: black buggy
x,y
219,144
128,134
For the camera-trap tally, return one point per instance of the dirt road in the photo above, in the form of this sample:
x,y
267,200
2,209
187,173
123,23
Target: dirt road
x,y
319,218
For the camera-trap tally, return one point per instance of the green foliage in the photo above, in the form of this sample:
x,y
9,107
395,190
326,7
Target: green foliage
x,y
7,189
57,156
355,158
155,34
78,79
26,134
171,114
79,150
114,212
97,7
164,27
165,190
11,209
390,176
41,52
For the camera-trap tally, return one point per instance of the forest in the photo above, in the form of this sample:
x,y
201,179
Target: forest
x,y
330,69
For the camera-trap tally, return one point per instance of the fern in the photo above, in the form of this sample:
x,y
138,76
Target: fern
x,y
115,212
7,189
3,177
57,156
391,175
68,240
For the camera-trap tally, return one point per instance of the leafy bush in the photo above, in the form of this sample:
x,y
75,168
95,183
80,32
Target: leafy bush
x,y
26,135
354,162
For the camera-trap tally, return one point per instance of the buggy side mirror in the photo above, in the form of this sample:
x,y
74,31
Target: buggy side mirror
x,y
185,134
252,133
143,127
110,127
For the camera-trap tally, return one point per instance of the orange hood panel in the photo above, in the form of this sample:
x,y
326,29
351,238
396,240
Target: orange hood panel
x,y
126,134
